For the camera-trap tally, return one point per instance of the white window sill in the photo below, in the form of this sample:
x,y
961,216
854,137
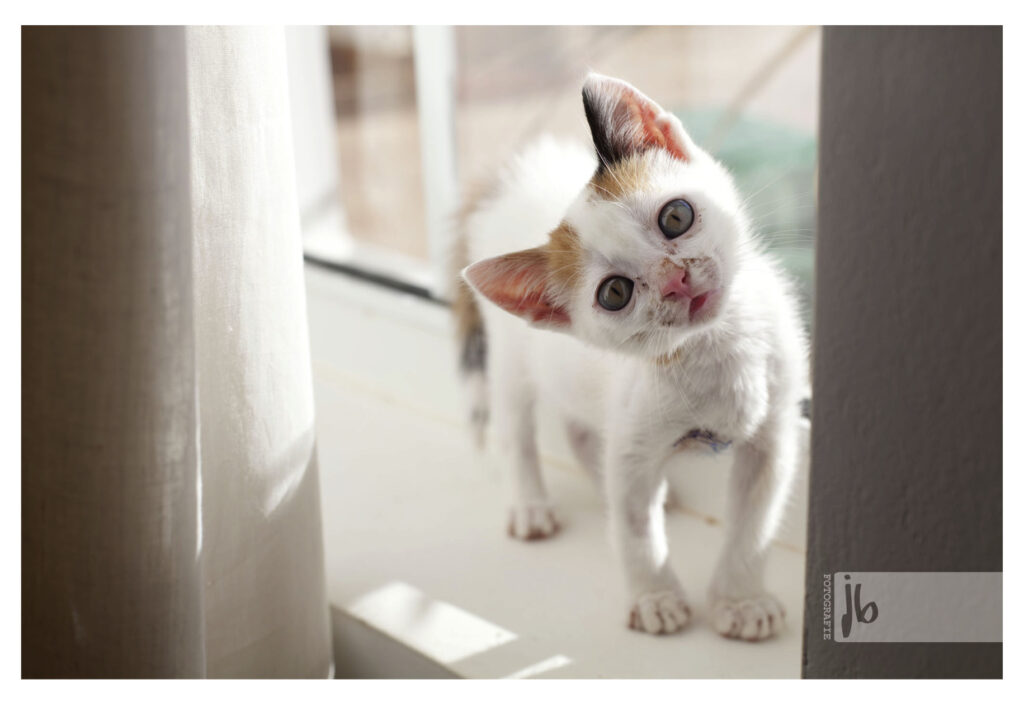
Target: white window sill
x,y
423,580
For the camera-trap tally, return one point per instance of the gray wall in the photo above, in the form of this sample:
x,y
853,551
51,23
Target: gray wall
x,y
906,470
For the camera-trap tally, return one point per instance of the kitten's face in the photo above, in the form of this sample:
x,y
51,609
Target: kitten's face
x,y
657,245
646,254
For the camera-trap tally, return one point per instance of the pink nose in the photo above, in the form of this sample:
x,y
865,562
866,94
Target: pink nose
x,y
677,286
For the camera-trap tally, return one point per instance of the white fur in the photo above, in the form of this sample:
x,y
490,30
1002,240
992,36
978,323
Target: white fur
x,y
739,374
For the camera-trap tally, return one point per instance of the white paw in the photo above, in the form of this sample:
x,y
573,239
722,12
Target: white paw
x,y
662,612
532,521
752,619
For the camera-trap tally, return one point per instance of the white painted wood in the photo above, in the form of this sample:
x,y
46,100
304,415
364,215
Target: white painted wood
x,y
407,499
434,48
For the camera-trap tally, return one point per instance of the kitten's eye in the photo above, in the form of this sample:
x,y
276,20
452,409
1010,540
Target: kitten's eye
x,y
675,218
614,293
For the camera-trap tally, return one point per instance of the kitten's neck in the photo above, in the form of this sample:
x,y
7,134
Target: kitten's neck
x,y
685,348
700,344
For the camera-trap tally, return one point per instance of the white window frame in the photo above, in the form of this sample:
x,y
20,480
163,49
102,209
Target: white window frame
x,y
326,237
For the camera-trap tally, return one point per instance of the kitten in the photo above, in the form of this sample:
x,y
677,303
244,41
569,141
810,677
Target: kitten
x,y
634,299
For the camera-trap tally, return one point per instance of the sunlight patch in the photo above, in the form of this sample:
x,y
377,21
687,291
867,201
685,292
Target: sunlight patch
x,y
436,629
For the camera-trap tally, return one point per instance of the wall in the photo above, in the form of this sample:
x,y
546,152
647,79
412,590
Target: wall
x,y
906,470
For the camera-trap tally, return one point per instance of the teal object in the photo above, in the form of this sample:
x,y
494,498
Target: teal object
x,y
774,167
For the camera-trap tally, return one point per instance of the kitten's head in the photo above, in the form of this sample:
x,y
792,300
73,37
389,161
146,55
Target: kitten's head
x,y
646,253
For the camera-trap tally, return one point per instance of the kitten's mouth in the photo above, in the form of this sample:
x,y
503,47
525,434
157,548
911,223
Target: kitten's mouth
x,y
699,302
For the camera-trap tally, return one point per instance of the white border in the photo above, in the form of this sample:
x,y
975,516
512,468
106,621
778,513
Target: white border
x,y
634,702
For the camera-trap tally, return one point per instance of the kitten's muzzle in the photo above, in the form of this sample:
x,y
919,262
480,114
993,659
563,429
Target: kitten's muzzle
x,y
678,286
687,281
688,284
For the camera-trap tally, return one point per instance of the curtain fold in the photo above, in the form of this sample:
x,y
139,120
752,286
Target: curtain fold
x,y
111,578
266,608
170,504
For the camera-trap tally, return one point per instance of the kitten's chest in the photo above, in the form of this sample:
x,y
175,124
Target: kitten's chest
x,y
572,377
708,403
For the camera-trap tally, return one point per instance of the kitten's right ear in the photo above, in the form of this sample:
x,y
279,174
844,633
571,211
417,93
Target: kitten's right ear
x,y
624,122
521,284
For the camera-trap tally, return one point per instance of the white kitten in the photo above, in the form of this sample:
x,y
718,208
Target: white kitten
x,y
650,320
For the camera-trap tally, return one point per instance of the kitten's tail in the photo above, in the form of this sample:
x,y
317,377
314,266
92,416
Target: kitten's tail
x,y
472,340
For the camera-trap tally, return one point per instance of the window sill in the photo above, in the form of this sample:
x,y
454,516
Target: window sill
x,y
421,577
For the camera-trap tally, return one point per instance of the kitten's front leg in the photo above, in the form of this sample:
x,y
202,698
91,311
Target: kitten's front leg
x,y
762,473
531,516
636,493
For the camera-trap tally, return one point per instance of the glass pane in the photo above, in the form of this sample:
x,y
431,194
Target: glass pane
x,y
747,94
378,137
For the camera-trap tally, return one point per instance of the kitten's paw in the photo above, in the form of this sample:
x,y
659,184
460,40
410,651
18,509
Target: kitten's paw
x,y
755,618
532,521
660,613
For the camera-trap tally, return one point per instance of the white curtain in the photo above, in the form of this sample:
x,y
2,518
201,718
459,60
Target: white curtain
x,y
170,503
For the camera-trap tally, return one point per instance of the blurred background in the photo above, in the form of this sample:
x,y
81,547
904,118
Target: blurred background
x,y
423,112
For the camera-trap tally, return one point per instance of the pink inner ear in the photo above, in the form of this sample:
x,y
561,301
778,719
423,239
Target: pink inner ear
x,y
518,283
657,126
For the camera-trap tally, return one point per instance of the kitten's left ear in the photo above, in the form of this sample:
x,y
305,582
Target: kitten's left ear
x,y
521,283
624,122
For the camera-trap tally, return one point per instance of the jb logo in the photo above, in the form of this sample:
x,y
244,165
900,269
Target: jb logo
x,y
866,613
912,607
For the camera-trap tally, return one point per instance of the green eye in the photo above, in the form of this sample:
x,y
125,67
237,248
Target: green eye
x,y
675,218
614,293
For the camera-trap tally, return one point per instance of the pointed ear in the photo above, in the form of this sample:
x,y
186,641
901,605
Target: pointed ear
x,y
521,284
624,122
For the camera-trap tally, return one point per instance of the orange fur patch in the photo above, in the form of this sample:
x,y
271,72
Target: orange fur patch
x,y
564,256
669,359
622,179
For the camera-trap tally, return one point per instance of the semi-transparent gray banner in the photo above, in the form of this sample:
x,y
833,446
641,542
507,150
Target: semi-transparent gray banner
x,y
913,607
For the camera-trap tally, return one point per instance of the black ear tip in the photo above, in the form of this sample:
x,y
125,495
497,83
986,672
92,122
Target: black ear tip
x,y
598,132
588,100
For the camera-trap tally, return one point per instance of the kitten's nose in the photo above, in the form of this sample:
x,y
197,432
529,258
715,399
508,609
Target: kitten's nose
x,y
678,285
